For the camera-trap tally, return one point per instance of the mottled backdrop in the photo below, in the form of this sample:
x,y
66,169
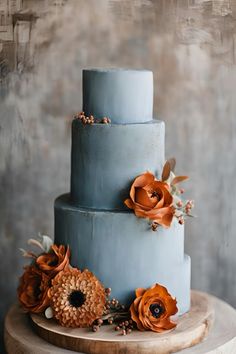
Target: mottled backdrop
x,y
191,47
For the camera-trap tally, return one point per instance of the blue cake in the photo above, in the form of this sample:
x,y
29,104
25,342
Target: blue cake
x,y
103,234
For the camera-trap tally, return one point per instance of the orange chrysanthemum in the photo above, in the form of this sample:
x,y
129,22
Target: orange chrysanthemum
x,y
77,298
54,261
150,198
152,308
33,290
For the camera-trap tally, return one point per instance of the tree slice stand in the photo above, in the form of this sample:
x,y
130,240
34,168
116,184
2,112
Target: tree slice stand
x,y
191,328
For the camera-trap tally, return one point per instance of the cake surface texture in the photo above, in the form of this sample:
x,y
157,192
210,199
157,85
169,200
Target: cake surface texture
x,y
126,96
103,234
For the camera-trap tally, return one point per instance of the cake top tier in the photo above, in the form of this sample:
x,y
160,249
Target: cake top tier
x,y
123,95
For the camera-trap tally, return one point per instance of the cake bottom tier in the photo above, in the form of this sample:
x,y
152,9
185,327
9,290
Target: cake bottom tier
x,y
122,251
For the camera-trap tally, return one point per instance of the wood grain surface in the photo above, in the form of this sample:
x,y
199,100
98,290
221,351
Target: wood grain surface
x,y
21,339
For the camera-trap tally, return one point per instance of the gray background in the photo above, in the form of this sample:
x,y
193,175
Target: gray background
x,y
191,48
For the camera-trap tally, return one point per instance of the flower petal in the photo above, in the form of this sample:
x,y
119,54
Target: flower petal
x,y
135,315
142,198
128,202
139,292
141,181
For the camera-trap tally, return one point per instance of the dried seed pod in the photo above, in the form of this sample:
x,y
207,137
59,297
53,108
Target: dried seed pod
x,y
108,291
154,226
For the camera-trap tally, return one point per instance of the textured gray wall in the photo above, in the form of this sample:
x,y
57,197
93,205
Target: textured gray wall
x,y
190,46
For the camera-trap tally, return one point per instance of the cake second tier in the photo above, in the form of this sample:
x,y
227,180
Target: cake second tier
x,y
123,252
105,159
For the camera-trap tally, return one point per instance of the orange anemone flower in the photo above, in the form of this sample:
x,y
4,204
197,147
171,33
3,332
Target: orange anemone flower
x,y
152,308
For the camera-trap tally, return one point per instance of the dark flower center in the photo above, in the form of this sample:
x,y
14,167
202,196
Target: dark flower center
x,y
156,310
53,263
76,298
155,194
37,291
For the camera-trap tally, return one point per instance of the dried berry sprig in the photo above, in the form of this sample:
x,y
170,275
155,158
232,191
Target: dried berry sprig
x,y
105,120
154,225
90,120
125,327
114,312
183,209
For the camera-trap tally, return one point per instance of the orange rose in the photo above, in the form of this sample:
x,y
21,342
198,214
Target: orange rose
x,y
152,308
150,198
54,261
33,290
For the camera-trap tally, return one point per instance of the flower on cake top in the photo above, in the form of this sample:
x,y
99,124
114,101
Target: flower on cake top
x,y
33,290
77,298
152,309
159,200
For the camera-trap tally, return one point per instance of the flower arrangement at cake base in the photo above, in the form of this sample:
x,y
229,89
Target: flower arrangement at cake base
x,y
76,298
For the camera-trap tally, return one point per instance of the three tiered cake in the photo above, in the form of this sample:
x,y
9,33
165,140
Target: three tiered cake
x,y
103,234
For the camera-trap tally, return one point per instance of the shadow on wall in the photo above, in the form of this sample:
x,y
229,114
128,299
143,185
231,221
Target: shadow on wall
x,y
190,46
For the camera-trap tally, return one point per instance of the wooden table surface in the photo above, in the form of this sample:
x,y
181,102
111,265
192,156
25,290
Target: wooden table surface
x,y
20,338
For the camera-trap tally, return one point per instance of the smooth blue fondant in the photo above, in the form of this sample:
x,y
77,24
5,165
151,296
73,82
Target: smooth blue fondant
x,y
106,158
123,95
123,252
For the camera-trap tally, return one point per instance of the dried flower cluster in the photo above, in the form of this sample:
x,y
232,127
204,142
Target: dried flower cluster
x,y
51,285
77,298
36,279
91,120
150,311
159,200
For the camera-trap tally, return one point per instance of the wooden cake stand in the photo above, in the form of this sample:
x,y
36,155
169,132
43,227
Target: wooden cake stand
x,y
192,328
